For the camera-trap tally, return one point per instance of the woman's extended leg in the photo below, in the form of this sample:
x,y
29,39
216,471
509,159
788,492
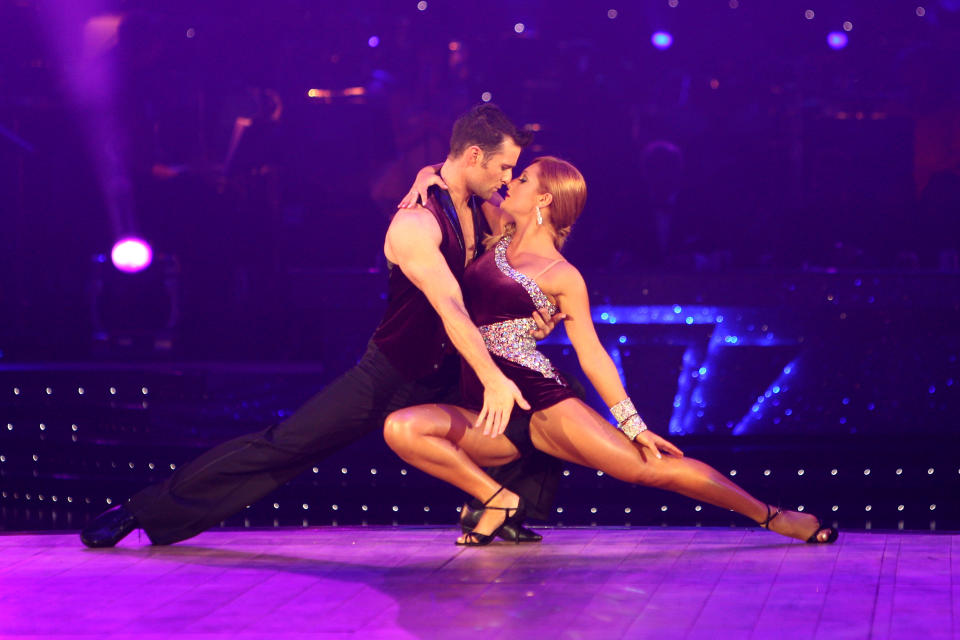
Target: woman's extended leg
x,y
573,431
439,439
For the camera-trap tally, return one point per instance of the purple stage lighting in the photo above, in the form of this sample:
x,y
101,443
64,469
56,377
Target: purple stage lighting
x,y
837,40
661,40
374,41
131,255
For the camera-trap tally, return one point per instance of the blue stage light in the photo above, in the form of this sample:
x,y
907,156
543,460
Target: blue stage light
x,y
837,40
662,40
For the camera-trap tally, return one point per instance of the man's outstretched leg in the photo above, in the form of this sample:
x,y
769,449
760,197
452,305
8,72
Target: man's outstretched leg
x,y
237,473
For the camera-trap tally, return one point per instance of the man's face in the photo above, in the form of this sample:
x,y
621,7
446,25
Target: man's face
x,y
490,172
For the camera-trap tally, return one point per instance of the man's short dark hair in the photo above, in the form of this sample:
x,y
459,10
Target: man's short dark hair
x,y
485,126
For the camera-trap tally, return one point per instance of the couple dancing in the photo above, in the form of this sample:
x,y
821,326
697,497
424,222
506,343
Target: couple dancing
x,y
406,382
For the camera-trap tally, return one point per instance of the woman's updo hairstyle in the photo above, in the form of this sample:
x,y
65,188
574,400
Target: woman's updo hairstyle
x,y
569,190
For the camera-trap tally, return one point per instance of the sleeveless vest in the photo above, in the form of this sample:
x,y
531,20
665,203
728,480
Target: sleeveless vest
x,y
411,335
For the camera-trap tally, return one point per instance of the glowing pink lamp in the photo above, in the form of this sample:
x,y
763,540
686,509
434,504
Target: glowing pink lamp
x,y
131,255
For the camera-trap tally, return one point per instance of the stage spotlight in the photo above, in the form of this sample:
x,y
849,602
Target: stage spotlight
x,y
837,40
661,40
373,42
134,309
131,255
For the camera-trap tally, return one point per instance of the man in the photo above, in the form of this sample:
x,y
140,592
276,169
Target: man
x,y
410,360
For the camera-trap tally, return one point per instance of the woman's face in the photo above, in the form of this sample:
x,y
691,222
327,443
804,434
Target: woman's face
x,y
523,192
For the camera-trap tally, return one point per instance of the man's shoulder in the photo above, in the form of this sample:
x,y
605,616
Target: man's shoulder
x,y
418,220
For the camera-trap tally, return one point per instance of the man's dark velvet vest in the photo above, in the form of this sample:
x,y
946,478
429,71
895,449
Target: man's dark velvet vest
x,y
411,334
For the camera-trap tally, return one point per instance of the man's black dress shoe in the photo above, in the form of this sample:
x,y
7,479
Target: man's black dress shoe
x,y
509,532
109,528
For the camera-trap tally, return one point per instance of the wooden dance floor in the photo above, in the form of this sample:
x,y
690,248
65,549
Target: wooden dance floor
x,y
409,582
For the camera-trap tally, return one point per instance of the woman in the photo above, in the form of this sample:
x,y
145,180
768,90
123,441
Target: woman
x,y
525,271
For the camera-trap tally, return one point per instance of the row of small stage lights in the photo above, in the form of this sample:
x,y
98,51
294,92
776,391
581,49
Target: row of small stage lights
x,y
593,510
834,472
81,391
395,510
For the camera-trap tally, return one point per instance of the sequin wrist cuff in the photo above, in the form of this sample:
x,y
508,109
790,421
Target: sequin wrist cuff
x,y
633,426
623,410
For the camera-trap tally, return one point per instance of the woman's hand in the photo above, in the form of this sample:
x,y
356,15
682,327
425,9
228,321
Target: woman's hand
x,y
545,323
426,178
655,443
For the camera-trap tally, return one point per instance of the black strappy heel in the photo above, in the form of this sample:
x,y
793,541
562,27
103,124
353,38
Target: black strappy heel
x,y
474,539
813,539
830,539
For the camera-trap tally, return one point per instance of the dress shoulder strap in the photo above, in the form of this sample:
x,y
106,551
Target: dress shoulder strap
x,y
548,267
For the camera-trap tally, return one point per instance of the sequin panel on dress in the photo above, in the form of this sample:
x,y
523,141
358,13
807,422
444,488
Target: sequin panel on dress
x,y
539,298
512,341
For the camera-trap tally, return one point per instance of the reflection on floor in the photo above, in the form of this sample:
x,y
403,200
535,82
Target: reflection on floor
x,y
412,582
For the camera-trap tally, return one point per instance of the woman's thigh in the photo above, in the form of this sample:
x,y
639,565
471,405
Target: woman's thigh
x,y
572,431
456,425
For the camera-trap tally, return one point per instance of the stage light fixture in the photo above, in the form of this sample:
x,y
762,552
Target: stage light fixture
x,y
837,40
661,40
131,254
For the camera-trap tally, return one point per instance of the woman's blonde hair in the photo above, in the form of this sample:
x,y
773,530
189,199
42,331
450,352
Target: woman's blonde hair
x,y
565,183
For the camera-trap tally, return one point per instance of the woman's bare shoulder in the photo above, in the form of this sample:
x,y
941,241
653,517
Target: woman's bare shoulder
x,y
563,278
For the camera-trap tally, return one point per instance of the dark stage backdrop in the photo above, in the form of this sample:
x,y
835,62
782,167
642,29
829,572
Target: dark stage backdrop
x,y
770,238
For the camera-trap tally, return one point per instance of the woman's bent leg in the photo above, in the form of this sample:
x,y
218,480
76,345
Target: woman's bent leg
x,y
440,440
573,431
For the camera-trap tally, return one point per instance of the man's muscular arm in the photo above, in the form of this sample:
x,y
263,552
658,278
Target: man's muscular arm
x,y
496,218
413,244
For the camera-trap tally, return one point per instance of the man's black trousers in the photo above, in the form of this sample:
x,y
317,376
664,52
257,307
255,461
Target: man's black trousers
x,y
239,472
